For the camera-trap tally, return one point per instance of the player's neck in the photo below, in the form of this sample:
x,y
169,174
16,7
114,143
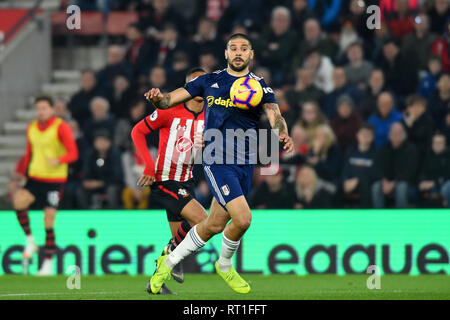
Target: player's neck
x,y
237,73
194,106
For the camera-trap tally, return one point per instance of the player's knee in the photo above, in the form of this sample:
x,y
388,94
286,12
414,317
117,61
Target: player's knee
x,y
215,228
244,223
21,200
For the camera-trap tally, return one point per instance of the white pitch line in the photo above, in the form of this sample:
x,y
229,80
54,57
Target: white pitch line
x,y
54,293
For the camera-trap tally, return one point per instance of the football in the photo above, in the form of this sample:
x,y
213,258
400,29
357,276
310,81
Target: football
x,y
246,93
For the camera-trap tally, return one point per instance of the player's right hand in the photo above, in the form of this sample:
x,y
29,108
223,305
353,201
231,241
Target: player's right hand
x,y
146,181
154,95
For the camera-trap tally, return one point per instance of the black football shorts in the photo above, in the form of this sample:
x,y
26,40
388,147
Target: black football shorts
x,y
173,196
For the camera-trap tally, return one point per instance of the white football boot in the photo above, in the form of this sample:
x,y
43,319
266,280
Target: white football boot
x,y
46,268
30,248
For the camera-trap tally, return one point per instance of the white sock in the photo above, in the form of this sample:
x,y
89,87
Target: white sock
x,y
191,243
229,247
30,238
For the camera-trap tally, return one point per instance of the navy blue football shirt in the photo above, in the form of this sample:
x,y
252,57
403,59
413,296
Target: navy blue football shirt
x,y
222,115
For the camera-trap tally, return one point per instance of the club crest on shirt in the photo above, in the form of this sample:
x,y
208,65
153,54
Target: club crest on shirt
x,y
184,144
182,192
225,190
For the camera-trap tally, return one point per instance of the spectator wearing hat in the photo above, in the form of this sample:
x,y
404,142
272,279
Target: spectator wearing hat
x,y
358,172
346,123
396,167
384,116
102,174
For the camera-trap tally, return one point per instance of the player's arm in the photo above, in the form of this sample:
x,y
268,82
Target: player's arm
x,y
138,134
22,164
277,122
167,100
66,137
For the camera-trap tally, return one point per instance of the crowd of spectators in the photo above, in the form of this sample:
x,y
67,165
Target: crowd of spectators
x,y
368,109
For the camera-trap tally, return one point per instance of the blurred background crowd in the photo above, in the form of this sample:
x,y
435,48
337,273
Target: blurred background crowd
x,y
368,109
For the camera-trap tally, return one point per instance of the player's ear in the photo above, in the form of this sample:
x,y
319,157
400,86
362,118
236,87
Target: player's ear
x,y
252,53
226,54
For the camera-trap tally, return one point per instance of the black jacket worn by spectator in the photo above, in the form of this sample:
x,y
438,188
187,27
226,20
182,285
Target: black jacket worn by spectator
x,y
359,164
436,167
399,164
282,199
400,76
421,131
92,126
328,168
322,197
107,169
79,105
438,109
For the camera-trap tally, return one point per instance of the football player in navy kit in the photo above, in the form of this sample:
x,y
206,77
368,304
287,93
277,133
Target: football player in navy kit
x,y
229,182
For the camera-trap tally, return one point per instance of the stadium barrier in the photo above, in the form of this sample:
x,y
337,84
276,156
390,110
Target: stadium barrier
x,y
279,241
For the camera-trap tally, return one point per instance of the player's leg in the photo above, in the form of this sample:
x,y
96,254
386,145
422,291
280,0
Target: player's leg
x,y
231,239
50,245
214,223
240,222
174,225
22,200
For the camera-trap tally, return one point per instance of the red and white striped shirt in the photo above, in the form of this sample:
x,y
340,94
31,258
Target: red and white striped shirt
x,y
177,128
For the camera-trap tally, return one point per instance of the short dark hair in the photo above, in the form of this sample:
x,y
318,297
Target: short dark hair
x,y
368,126
415,98
194,70
44,98
239,36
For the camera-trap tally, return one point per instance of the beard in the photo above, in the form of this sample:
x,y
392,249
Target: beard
x,y
238,69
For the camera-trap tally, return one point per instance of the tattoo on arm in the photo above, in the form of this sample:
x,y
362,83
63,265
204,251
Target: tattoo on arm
x,y
164,103
276,119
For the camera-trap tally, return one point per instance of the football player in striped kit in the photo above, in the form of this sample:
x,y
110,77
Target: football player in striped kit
x,y
50,149
170,178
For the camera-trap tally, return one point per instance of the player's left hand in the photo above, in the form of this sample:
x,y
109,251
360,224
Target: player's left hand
x,y
53,161
146,181
287,141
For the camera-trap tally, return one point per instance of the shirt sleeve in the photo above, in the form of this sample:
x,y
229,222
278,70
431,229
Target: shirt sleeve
x,y
140,130
158,119
22,164
66,137
268,94
196,86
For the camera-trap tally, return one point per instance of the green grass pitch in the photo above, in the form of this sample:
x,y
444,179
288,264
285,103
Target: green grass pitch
x,y
210,286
